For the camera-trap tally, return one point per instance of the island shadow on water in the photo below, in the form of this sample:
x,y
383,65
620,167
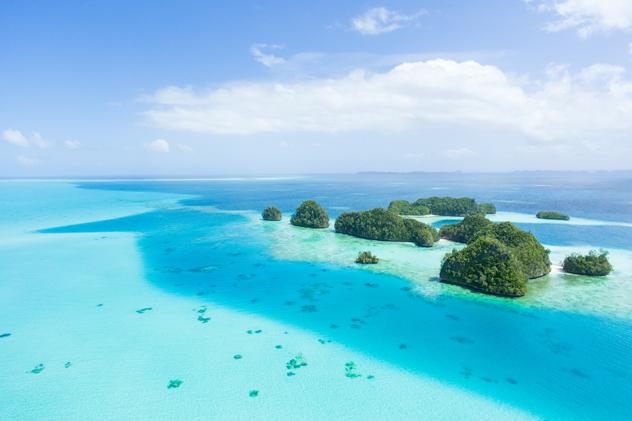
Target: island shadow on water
x,y
543,361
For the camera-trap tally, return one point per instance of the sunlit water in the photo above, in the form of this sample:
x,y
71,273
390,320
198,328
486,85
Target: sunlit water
x,y
110,292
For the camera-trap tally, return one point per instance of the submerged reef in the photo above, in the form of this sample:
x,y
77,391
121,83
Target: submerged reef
x,y
295,364
350,370
381,224
595,263
38,368
310,215
174,384
143,310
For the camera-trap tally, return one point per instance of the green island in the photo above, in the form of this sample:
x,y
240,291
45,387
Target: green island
x,y
532,256
558,216
487,208
310,215
498,258
366,258
271,213
442,206
381,224
595,263
486,265
462,232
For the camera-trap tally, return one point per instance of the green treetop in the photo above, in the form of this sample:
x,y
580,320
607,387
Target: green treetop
x,y
485,265
532,256
271,214
594,263
310,215
463,231
381,224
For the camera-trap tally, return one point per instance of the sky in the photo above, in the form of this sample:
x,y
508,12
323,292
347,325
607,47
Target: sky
x,y
194,88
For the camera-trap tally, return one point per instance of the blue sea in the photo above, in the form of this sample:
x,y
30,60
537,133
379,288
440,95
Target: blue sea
x,y
171,299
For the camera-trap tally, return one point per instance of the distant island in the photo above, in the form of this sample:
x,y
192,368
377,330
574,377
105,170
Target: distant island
x,y
366,258
310,215
381,224
465,230
498,258
442,206
271,214
595,263
552,215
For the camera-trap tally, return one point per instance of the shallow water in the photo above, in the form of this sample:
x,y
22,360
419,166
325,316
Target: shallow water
x,y
136,286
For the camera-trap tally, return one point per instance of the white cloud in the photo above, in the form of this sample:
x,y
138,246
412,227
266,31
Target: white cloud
x,y
380,20
39,141
184,148
594,102
15,137
266,59
72,144
158,145
588,16
27,161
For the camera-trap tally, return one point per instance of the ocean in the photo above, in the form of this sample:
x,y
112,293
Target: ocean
x,y
171,299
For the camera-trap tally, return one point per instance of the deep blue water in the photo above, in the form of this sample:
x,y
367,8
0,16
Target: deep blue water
x,y
557,365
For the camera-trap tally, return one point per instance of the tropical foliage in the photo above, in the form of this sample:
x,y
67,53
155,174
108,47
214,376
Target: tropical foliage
x,y
404,207
552,215
444,206
271,214
594,263
310,215
381,224
486,265
487,208
463,231
366,257
532,256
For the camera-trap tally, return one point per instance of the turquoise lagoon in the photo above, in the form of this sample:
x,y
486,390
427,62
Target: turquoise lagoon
x,y
113,291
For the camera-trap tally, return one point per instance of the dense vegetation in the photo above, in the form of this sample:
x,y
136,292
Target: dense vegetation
x,y
366,258
487,208
532,256
594,263
381,224
552,215
498,258
444,206
463,231
271,214
404,207
485,265
310,215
